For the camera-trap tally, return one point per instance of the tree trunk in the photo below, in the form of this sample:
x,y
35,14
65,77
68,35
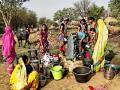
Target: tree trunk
x,y
9,17
6,21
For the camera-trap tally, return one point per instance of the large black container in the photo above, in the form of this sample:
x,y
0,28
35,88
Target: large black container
x,y
82,74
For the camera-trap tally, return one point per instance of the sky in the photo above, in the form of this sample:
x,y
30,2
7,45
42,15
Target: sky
x,y
47,8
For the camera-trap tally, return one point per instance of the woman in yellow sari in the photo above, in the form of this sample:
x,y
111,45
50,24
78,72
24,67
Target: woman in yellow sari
x,y
98,54
23,76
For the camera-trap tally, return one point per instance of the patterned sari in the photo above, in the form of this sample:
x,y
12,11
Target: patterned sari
x,y
44,42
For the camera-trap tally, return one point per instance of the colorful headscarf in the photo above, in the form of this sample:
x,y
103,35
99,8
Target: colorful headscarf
x,y
8,44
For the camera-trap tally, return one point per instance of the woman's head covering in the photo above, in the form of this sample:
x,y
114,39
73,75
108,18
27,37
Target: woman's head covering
x,y
8,29
8,44
101,25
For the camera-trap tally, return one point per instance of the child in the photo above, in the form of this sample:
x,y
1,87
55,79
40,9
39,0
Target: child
x,y
81,36
92,40
87,57
29,68
84,25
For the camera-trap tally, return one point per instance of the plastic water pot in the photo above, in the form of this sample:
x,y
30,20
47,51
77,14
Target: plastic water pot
x,y
57,72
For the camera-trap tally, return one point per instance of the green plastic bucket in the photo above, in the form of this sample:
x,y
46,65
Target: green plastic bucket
x,y
57,72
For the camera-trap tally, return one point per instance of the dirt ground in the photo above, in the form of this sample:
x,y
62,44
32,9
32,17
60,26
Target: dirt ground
x,y
4,79
71,84
67,83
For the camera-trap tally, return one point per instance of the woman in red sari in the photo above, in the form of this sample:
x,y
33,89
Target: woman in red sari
x,y
8,48
44,39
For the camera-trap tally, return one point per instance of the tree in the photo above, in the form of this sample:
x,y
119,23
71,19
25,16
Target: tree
x,y
8,9
115,8
32,18
42,20
96,11
23,18
49,22
59,15
82,7
66,12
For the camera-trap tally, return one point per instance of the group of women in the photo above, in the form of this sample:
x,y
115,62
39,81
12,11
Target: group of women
x,y
22,75
92,38
86,34
92,32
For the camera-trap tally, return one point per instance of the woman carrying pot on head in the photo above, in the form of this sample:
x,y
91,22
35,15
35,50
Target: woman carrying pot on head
x,y
8,48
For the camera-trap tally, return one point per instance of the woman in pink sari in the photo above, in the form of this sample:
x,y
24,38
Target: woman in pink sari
x,y
8,48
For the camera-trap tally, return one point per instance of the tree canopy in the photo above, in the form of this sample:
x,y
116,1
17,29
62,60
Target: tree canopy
x,y
66,12
49,22
8,9
115,8
24,18
96,11
82,7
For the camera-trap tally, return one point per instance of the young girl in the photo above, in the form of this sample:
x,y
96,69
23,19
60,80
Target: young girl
x,y
43,39
84,26
92,40
87,57
81,36
61,39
